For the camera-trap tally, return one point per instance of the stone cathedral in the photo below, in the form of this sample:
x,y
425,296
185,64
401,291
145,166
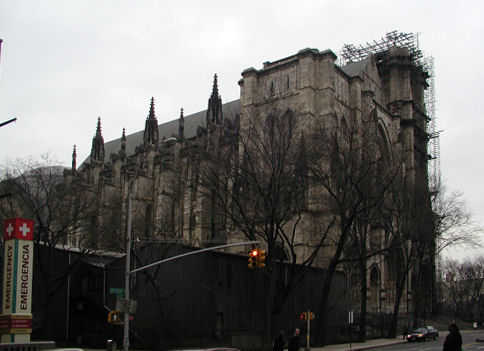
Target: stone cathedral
x,y
156,165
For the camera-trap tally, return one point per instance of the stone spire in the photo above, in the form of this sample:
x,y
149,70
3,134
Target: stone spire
x,y
97,150
214,111
181,125
151,126
74,160
123,142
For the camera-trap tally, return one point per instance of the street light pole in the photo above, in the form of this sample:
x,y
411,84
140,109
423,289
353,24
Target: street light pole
x,y
382,302
7,122
127,271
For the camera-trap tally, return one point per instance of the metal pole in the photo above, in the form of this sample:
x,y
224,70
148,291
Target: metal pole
x,y
350,321
68,300
127,271
381,319
309,330
7,122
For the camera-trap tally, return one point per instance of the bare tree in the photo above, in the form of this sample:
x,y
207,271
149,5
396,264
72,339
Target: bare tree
x,y
412,246
64,216
355,181
260,189
418,241
464,282
147,251
453,221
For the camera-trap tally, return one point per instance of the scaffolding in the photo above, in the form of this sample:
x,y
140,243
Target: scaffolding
x,y
433,146
353,53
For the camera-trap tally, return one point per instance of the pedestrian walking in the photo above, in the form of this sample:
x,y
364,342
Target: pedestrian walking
x,y
405,331
295,341
279,342
453,340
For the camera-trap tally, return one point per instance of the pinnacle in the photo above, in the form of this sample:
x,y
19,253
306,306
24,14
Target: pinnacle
x,y
152,108
215,86
98,128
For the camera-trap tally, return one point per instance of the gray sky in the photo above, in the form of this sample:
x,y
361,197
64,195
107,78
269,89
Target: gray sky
x,y
64,63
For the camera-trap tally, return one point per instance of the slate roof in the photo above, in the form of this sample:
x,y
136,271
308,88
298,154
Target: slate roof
x,y
168,129
352,69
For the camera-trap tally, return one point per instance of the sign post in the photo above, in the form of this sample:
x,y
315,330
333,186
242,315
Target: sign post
x,y
307,316
16,317
350,322
119,292
308,334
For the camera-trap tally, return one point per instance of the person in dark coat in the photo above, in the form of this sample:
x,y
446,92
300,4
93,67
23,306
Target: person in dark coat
x,y
453,340
405,331
295,341
279,342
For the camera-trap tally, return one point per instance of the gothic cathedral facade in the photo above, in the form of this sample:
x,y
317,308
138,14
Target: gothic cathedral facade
x,y
157,167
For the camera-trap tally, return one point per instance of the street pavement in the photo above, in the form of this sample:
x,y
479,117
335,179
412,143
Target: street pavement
x,y
369,344
355,346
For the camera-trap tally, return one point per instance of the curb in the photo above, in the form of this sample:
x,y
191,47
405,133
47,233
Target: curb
x,y
356,347
367,347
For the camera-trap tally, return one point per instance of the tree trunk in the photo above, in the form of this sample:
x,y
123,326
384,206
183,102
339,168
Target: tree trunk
x,y
362,330
272,307
392,332
323,304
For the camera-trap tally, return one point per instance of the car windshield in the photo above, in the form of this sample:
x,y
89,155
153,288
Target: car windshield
x,y
420,330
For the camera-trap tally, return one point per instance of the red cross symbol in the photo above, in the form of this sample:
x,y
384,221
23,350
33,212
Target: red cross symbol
x,y
9,231
18,228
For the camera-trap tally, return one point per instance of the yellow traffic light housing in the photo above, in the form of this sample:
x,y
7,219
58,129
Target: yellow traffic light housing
x,y
306,315
261,258
253,254
257,258
114,317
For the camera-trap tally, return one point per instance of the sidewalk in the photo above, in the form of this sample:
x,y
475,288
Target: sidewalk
x,y
355,346
369,344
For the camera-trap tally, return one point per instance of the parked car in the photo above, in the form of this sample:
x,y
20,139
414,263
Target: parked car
x,y
423,333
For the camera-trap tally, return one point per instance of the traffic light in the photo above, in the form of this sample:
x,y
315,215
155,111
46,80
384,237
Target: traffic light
x,y
257,258
114,317
253,254
261,258
305,315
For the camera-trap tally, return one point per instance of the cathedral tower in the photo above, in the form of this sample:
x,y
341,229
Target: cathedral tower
x,y
97,149
150,136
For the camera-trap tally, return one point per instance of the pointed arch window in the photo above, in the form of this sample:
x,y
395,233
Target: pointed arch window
x,y
374,287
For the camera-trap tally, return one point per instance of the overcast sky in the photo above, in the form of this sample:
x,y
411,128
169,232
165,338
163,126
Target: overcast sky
x,y
64,63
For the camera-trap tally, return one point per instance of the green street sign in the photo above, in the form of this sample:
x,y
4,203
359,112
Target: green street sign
x,y
119,292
